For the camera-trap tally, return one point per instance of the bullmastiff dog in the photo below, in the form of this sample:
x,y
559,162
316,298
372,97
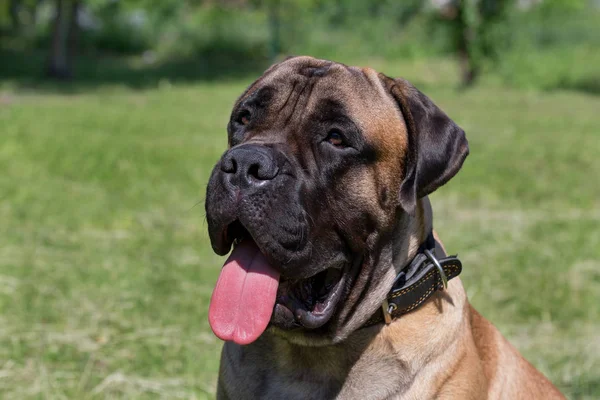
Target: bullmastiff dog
x,y
336,286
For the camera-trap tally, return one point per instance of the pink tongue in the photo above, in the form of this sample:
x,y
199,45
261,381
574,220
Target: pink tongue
x,y
244,297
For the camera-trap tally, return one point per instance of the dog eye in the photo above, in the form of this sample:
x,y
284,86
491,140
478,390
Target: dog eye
x,y
335,138
243,118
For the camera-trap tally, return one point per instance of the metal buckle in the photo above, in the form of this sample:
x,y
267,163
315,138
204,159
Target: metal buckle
x,y
388,309
437,264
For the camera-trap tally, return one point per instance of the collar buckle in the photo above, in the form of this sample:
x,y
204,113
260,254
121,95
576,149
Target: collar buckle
x,y
437,264
417,282
387,310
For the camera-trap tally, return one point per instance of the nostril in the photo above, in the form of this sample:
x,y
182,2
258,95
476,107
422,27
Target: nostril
x,y
261,172
254,171
229,165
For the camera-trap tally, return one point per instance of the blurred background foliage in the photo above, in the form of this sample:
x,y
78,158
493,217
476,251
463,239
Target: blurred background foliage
x,y
527,43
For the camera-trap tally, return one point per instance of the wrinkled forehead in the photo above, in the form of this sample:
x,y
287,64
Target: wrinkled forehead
x,y
359,91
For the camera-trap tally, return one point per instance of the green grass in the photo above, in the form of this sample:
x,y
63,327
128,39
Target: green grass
x,y
106,269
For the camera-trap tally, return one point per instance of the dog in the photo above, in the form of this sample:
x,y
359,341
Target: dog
x,y
337,286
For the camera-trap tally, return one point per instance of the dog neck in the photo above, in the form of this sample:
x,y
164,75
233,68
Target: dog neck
x,y
380,266
378,361
392,365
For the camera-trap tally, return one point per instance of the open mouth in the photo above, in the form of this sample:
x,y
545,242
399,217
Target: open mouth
x,y
235,233
310,301
251,293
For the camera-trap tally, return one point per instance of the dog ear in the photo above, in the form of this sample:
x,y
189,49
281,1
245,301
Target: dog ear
x,y
437,147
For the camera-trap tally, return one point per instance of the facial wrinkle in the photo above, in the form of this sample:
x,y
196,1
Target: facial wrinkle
x,y
289,96
291,114
307,99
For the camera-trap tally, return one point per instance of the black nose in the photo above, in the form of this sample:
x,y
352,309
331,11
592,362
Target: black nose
x,y
249,165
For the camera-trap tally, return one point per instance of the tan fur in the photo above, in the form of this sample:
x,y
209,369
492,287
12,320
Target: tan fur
x,y
442,350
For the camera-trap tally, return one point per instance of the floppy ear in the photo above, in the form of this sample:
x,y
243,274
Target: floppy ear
x,y
437,147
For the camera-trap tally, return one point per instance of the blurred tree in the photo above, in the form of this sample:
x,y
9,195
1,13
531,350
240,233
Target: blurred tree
x,y
274,13
20,14
480,30
477,31
63,46
474,34
285,13
14,15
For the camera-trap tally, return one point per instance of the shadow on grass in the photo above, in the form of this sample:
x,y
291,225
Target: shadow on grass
x,y
589,85
584,388
25,70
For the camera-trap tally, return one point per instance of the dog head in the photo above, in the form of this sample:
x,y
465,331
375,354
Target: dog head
x,y
323,162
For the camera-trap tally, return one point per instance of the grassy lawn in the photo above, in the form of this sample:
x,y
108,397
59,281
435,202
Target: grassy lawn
x,y
106,270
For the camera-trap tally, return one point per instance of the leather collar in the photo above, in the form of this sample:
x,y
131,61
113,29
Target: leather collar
x,y
418,281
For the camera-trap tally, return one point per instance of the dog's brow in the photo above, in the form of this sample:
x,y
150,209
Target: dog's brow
x,y
331,108
315,71
260,97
